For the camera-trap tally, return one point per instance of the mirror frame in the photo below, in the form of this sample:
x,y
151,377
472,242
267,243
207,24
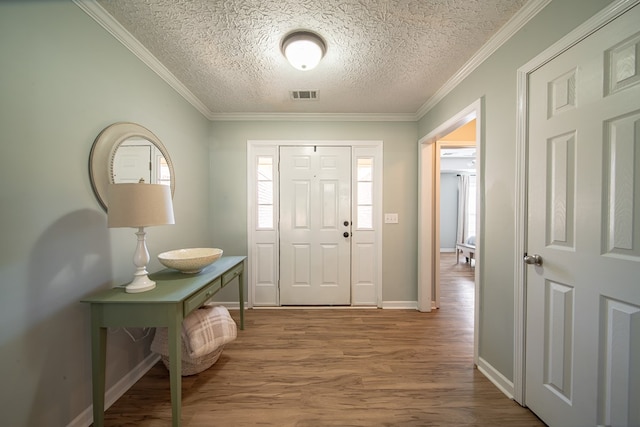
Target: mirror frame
x,y
103,153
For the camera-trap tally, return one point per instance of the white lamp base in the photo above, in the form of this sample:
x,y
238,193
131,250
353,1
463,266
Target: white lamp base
x,y
141,282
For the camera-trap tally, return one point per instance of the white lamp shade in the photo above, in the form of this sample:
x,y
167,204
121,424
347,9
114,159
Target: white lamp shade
x,y
303,50
139,205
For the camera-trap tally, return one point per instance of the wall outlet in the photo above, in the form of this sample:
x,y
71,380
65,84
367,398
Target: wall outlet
x,y
391,218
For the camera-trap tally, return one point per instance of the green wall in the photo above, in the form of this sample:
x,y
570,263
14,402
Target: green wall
x,y
229,199
63,79
495,82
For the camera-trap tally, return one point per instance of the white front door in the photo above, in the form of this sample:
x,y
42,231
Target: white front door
x,y
315,225
583,301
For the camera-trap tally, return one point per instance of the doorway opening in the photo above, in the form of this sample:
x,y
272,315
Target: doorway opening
x,y
455,214
455,207
429,248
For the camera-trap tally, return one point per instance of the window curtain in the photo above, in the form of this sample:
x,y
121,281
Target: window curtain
x,y
463,208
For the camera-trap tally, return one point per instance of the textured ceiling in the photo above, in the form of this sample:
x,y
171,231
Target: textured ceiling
x,y
383,56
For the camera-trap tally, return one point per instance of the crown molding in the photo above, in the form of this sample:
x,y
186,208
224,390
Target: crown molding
x,y
102,17
315,117
524,15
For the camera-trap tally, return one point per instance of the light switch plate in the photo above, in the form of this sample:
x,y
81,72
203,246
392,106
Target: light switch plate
x,y
391,218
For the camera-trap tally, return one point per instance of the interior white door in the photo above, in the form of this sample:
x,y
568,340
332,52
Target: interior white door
x,y
315,225
583,302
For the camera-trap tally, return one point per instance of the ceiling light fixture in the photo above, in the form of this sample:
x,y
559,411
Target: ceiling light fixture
x,y
303,49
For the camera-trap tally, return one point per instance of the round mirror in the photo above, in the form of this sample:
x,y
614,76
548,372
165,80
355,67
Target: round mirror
x,y
128,152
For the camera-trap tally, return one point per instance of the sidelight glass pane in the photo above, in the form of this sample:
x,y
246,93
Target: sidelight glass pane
x,y
265,169
163,172
364,193
265,193
264,184
365,169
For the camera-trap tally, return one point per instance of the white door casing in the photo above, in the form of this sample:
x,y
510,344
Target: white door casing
x,y
583,204
315,225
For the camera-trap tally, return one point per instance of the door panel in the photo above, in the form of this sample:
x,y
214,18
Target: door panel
x,y
622,191
561,155
315,200
583,302
558,360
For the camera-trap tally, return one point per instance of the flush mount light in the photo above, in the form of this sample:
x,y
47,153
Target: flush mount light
x,y
303,49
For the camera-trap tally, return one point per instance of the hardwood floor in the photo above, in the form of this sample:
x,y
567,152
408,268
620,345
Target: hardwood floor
x,y
338,367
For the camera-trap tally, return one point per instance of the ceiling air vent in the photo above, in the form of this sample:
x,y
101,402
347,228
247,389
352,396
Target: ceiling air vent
x,y
304,95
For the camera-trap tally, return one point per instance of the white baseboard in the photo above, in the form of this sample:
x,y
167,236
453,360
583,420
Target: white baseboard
x,y
85,419
315,307
400,305
447,250
232,305
397,305
499,380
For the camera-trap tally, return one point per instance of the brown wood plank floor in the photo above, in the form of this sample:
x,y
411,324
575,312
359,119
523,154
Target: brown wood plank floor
x,y
338,367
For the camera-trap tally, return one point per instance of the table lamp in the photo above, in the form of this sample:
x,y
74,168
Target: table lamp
x,y
138,206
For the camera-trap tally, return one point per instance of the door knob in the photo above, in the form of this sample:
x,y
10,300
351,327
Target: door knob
x,y
346,223
534,259
345,234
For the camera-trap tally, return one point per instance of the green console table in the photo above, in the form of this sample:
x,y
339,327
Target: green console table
x,y
174,297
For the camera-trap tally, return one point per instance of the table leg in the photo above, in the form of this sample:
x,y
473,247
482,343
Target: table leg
x,y
241,297
175,370
98,366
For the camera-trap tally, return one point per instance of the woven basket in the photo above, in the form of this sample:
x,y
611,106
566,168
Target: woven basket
x,y
195,366
223,331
